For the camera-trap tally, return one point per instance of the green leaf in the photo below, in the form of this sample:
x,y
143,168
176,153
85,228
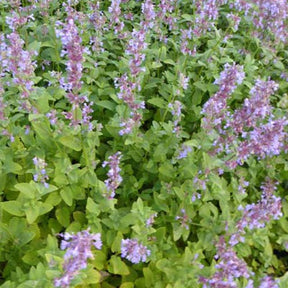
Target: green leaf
x,y
106,104
27,189
13,207
100,259
202,86
18,228
67,195
63,216
71,142
92,207
32,214
117,266
158,102
127,285
116,245
167,171
11,167
156,65
149,277
45,208
93,277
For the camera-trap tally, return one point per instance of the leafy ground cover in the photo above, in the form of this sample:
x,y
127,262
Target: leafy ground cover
x,y
143,144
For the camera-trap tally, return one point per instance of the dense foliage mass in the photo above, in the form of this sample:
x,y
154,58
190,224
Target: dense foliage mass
x,y
143,143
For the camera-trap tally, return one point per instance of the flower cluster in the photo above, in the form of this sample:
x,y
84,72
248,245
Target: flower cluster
x,y
78,250
183,152
207,12
115,13
16,20
151,220
41,173
149,15
134,251
17,61
164,15
215,108
184,219
135,48
127,94
251,129
268,282
267,15
228,269
186,35
176,109
114,179
257,215
71,41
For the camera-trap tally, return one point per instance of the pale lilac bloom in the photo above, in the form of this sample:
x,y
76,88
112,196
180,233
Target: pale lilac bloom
x,y
183,81
40,174
151,220
114,179
228,268
176,109
257,215
184,151
134,251
78,251
184,219
149,14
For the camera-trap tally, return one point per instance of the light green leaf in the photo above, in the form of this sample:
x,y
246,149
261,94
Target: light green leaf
x,y
117,266
67,195
71,142
13,207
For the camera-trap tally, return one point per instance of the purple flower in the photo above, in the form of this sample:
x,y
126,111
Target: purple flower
x,y
184,151
228,268
183,81
151,220
72,47
176,109
148,14
40,174
114,179
133,251
257,215
78,250
268,282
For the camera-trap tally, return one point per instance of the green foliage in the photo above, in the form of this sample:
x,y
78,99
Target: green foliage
x,y
176,206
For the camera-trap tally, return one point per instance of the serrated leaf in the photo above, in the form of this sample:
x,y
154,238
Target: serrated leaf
x,y
92,207
106,104
117,266
93,277
63,216
13,207
67,195
71,142
27,189
158,102
32,214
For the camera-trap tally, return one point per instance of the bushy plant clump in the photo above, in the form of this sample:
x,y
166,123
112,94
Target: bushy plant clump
x,y
143,143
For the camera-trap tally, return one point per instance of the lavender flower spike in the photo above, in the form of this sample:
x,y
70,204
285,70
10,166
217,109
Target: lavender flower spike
x,y
114,179
40,171
133,251
78,251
